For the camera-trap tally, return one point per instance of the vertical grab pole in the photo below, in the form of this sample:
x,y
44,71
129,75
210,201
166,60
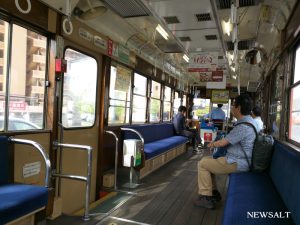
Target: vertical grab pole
x,y
116,156
88,185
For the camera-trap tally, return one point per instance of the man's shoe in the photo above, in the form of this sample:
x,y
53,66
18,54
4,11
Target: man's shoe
x,y
216,197
204,202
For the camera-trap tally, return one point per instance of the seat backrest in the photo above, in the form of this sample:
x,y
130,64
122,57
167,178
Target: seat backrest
x,y
150,132
285,174
4,160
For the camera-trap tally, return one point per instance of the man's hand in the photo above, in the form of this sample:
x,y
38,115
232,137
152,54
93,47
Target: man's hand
x,y
211,144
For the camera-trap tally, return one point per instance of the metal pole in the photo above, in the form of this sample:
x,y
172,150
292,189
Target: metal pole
x,y
42,153
87,179
116,156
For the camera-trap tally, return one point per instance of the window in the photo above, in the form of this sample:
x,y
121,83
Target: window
x,y
79,93
139,99
119,95
1,70
201,107
184,100
167,104
28,60
177,103
1,53
155,102
1,37
294,124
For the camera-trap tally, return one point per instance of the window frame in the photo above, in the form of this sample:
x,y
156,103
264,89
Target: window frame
x,y
15,21
291,86
145,96
97,77
115,64
170,101
159,99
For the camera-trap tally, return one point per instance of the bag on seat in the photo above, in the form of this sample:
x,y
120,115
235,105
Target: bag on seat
x,y
262,151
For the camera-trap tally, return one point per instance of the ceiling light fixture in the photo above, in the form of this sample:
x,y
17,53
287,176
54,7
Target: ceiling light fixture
x,y
227,27
186,58
162,32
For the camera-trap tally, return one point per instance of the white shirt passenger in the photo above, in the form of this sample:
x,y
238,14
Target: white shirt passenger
x,y
259,122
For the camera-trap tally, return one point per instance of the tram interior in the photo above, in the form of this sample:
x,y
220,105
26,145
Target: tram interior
x,y
80,77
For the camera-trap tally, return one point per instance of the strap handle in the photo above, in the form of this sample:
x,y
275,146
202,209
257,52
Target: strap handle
x,y
256,135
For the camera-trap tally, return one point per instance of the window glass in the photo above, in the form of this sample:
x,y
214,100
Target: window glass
x,y
27,79
294,123
155,102
155,90
79,94
176,103
184,100
297,66
167,94
139,99
294,128
139,109
140,85
167,104
201,107
119,95
154,110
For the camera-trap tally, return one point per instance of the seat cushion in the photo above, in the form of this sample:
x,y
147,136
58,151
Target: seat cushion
x,y
253,192
285,174
150,132
17,200
157,147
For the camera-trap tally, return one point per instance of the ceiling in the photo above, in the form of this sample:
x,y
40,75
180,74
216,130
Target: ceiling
x,y
193,26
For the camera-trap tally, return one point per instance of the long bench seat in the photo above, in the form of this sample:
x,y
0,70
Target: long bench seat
x,y
161,144
158,138
17,200
266,198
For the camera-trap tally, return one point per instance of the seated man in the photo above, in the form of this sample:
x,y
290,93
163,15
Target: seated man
x,y
181,128
240,138
218,116
218,113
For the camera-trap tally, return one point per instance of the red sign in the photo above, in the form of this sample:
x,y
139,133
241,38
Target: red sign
x,y
60,65
110,47
207,136
217,75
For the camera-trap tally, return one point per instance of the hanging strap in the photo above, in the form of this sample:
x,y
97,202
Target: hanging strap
x,y
256,135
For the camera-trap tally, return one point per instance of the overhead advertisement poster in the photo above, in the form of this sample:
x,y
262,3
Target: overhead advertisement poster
x,y
212,76
219,96
203,61
123,79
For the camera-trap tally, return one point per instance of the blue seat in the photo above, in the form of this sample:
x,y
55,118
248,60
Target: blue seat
x,y
17,200
252,196
158,138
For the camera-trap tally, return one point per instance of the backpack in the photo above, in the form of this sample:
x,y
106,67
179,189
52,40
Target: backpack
x,y
262,151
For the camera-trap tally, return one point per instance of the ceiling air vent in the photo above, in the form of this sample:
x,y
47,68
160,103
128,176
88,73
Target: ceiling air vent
x,y
171,19
128,8
185,39
203,17
252,86
226,4
211,37
242,45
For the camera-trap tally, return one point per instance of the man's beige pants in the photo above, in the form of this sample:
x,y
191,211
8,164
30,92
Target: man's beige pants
x,y
207,168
